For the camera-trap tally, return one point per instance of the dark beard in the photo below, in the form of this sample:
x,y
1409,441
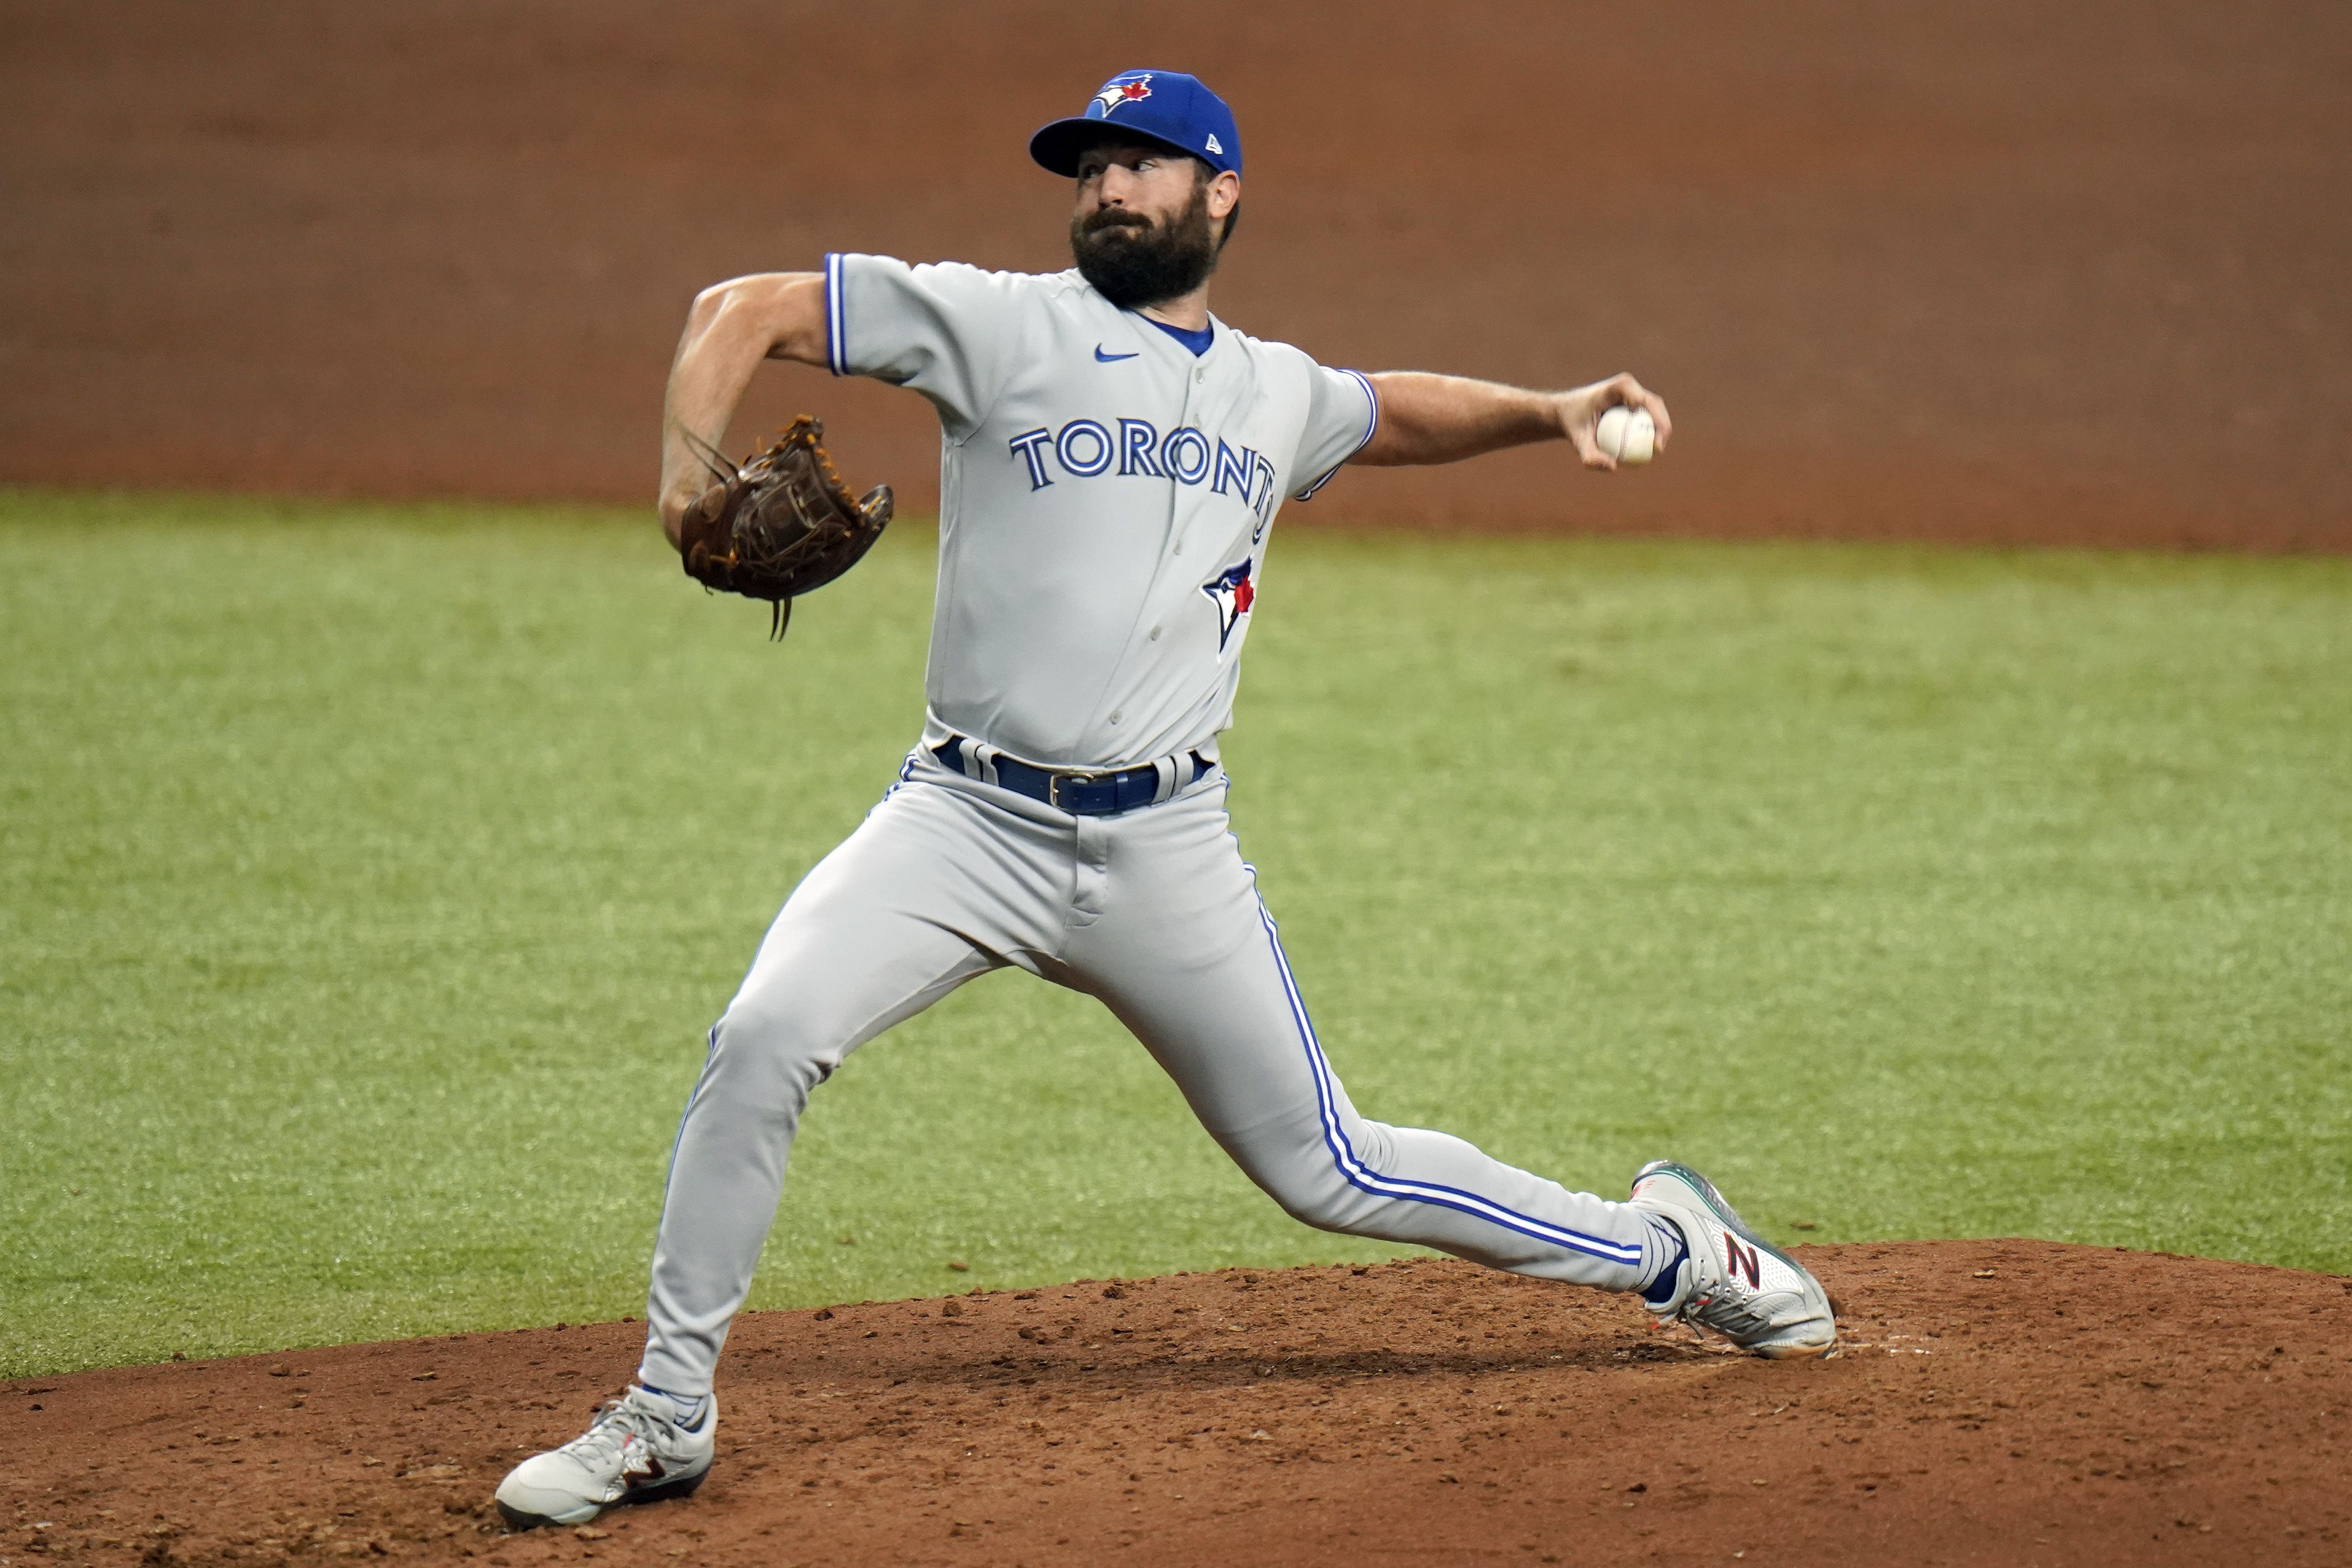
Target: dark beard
x,y
1134,262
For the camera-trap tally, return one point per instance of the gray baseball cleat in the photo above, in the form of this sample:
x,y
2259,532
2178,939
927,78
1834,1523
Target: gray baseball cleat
x,y
634,1453
1733,1281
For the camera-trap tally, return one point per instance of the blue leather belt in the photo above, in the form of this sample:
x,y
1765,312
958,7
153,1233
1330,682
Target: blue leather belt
x,y
1079,793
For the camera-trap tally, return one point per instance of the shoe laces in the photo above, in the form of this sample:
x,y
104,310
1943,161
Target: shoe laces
x,y
617,1421
1725,1305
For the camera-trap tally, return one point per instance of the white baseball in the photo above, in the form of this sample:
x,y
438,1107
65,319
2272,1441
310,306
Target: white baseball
x,y
1628,434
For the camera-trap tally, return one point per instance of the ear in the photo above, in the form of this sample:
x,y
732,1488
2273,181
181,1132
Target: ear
x,y
1225,194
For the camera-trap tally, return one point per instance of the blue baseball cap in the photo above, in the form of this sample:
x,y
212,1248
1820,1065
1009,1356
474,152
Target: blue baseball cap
x,y
1164,106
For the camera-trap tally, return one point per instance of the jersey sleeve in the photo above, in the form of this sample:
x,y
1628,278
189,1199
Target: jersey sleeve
x,y
944,329
1342,412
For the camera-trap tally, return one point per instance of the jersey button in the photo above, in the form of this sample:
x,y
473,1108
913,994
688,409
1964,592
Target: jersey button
x,y
1201,375
1116,715
1155,634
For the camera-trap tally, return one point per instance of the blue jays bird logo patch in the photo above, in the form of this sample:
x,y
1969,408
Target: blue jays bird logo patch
x,y
1123,90
1232,592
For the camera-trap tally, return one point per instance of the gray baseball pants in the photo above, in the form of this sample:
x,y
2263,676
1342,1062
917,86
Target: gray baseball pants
x,y
1154,912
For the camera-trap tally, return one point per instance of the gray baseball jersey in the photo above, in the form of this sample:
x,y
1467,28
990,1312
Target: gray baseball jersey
x,y
1105,497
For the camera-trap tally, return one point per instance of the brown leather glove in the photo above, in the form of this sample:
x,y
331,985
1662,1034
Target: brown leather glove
x,y
781,525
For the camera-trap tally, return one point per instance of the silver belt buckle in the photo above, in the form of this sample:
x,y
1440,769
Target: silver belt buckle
x,y
1054,785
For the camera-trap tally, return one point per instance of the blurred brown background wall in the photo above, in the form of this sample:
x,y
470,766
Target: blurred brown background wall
x,y
1993,271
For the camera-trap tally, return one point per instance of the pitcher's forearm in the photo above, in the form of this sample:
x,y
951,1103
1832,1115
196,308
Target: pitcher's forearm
x,y
733,327
705,385
1430,419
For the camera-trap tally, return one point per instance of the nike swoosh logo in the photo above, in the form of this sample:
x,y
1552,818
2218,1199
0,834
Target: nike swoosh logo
x,y
1102,357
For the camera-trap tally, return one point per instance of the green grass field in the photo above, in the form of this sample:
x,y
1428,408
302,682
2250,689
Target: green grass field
x,y
369,876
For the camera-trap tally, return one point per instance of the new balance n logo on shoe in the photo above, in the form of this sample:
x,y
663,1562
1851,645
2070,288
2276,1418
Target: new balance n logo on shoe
x,y
1738,1260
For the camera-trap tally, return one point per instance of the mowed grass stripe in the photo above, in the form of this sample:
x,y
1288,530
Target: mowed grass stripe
x,y
370,874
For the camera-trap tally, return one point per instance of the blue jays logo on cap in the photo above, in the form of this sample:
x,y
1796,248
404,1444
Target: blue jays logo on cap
x,y
1127,88
1162,106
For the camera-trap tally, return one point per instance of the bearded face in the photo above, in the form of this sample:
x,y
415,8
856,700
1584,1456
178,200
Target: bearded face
x,y
1135,260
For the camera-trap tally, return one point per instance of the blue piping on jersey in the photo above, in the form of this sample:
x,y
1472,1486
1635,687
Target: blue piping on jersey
x,y
1358,1174
1369,430
836,352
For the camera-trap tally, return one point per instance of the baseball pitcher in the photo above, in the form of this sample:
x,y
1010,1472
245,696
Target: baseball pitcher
x,y
1111,460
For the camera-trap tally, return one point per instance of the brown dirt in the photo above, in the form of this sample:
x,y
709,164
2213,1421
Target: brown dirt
x,y
1999,1402
1999,271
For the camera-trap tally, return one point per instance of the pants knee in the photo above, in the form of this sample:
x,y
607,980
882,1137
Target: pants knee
x,y
769,1055
1306,1175
1311,1188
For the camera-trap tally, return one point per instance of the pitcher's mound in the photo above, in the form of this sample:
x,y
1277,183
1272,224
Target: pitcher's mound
x,y
2003,1402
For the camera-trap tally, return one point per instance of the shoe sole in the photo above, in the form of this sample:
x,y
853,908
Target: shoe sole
x,y
1781,1350
683,1487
